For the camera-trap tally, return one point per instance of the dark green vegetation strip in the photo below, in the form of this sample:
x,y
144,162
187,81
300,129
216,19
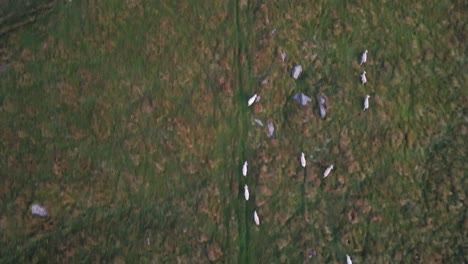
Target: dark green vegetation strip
x,y
128,121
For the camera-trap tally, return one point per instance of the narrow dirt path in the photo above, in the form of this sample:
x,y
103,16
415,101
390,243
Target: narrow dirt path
x,y
240,150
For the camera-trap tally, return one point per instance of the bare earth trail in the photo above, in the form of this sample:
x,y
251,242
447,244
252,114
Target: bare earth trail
x,y
239,135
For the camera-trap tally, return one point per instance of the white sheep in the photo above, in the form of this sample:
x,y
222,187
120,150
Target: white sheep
x,y
366,102
283,55
303,160
36,209
252,100
363,77
246,192
327,171
244,169
296,71
256,219
364,57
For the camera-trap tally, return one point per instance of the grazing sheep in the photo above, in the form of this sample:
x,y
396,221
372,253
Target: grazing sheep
x,y
256,219
302,99
244,169
366,102
364,57
296,71
327,171
322,107
258,121
363,78
283,55
271,129
303,160
246,192
252,100
38,210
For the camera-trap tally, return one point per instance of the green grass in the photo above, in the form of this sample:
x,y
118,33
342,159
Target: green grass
x,y
129,123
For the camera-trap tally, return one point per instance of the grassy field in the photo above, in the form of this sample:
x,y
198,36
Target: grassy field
x,y
128,121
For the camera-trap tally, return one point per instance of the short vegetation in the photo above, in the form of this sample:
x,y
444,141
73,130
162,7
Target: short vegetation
x,y
128,121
